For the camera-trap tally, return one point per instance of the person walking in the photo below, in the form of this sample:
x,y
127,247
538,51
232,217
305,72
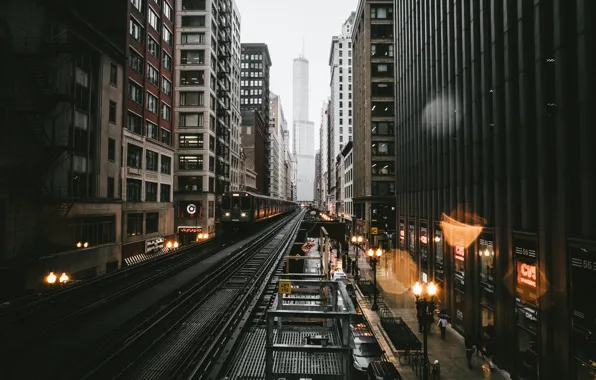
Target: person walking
x,y
443,326
469,351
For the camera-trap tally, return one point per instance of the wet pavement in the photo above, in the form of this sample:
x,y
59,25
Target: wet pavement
x,y
450,353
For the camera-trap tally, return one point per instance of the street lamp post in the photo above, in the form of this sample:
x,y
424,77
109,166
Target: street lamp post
x,y
425,302
375,256
357,242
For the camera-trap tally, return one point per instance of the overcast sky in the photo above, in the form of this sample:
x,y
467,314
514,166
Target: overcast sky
x,y
282,24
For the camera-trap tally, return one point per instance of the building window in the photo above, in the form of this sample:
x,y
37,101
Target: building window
x,y
113,75
211,208
382,70
151,102
150,192
135,61
134,224
167,36
133,190
153,20
95,230
152,222
110,189
167,11
198,5
190,162
112,113
134,123
190,183
151,130
151,160
152,75
193,21
191,119
153,47
381,31
164,193
136,31
190,141
167,61
383,189
192,78
134,157
193,38
111,149
192,57
166,137
135,92
382,128
192,99
382,90
383,168
166,112
381,12
138,4
383,109
166,86
166,164
382,148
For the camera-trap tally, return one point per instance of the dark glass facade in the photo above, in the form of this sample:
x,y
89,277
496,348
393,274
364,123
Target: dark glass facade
x,y
494,122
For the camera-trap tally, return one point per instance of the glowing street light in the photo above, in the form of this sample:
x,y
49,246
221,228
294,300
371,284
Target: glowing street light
x,y
64,278
374,258
51,278
427,306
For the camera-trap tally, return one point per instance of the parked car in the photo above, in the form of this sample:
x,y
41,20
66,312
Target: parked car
x,y
339,276
380,370
366,350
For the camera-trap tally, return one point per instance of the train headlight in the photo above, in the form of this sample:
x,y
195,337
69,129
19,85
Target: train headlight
x,y
227,214
243,214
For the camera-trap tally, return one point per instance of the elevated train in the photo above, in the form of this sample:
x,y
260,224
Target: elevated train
x,y
244,209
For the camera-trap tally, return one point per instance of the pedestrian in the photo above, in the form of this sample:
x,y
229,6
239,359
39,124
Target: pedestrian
x,y
421,319
443,326
469,351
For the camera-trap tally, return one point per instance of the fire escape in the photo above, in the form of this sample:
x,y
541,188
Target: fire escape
x,y
43,60
224,98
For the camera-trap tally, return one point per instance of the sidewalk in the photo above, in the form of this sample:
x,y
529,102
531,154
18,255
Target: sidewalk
x,y
451,353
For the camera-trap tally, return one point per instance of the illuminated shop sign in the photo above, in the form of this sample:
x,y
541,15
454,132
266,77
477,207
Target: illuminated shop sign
x,y
412,231
402,234
193,230
460,250
526,274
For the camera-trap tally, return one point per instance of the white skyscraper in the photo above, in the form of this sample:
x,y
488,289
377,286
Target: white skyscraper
x,y
340,121
303,133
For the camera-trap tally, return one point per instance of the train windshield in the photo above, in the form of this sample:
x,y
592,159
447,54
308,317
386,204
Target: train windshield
x,y
245,203
235,202
225,202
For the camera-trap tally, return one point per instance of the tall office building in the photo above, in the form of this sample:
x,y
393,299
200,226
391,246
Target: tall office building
x,y
340,125
303,133
502,121
254,88
205,110
322,179
61,97
279,168
236,117
374,112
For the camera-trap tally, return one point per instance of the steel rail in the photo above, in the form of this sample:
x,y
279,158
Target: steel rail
x,y
200,365
163,314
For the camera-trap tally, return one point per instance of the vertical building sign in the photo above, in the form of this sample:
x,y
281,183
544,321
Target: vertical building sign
x,y
439,260
402,234
583,279
424,250
459,273
526,291
414,265
486,271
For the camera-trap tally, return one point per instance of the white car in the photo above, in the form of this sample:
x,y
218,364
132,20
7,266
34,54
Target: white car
x,y
339,276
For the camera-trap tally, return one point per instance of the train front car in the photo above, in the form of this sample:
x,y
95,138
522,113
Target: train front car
x,y
236,208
